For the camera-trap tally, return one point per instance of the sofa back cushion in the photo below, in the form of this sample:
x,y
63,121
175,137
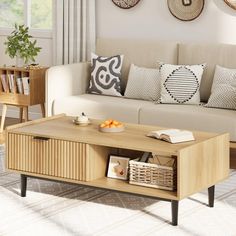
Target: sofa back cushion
x,y
145,53
212,55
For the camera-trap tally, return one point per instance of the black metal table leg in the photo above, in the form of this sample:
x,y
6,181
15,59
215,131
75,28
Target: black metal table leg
x,y
211,196
174,211
23,185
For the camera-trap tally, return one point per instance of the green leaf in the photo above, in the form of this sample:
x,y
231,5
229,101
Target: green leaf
x,y
19,43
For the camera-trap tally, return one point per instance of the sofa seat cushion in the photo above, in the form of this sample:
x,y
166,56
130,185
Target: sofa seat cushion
x,y
100,107
190,117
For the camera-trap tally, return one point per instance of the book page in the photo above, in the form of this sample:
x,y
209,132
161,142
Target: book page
x,y
179,133
169,132
172,135
158,133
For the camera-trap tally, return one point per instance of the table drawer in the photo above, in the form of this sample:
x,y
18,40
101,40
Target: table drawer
x,y
53,157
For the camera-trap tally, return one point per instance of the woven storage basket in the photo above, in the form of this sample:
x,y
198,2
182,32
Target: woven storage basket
x,y
153,175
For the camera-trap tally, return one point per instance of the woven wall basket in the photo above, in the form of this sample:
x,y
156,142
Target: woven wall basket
x,y
231,3
125,4
186,10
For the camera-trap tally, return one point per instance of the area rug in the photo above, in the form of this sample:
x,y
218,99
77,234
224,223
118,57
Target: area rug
x,y
52,208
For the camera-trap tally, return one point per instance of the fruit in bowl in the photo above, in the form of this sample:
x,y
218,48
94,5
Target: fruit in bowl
x,y
111,126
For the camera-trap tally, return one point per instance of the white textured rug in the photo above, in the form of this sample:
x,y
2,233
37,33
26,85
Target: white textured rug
x,y
62,209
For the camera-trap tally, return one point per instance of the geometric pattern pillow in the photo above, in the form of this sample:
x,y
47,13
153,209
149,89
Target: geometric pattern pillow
x,y
180,83
223,90
105,75
143,83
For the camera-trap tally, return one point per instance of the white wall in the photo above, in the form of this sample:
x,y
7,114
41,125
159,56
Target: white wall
x,y
152,19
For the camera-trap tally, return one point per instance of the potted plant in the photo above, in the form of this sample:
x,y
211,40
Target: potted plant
x,y
20,45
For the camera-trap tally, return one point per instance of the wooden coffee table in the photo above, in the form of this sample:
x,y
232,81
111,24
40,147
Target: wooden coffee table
x,y
54,148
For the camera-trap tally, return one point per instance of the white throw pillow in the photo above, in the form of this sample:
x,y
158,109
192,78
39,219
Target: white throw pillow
x,y
180,83
223,90
106,75
143,83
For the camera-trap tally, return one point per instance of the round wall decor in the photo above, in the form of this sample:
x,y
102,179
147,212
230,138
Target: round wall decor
x,y
125,4
231,3
185,10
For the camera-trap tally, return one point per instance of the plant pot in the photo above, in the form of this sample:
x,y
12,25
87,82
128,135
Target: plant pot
x,y
19,62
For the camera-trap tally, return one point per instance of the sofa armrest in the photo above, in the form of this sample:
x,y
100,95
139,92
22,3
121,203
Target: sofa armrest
x,y
65,80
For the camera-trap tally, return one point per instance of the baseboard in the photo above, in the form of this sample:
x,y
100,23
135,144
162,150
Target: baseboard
x,y
13,113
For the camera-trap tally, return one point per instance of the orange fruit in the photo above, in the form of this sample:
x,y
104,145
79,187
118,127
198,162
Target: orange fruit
x,y
115,122
110,123
106,122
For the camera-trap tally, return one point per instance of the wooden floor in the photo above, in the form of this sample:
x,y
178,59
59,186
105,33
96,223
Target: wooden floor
x,y
9,121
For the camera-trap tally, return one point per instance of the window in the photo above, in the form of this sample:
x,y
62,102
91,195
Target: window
x,y
41,14
11,11
37,14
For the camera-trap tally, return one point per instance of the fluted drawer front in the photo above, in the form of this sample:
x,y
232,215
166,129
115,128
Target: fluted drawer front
x,y
51,157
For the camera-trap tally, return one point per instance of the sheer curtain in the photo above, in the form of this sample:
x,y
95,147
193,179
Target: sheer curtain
x,y
73,30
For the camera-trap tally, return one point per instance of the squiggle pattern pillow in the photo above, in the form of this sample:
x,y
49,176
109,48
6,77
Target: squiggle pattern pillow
x,y
106,75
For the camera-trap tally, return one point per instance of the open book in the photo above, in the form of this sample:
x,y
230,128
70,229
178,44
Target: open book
x,y
172,135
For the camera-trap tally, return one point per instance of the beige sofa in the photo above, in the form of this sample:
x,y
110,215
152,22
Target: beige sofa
x,y
66,86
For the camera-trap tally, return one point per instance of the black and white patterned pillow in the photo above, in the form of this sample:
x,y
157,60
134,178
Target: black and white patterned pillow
x,y
180,83
106,75
223,90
